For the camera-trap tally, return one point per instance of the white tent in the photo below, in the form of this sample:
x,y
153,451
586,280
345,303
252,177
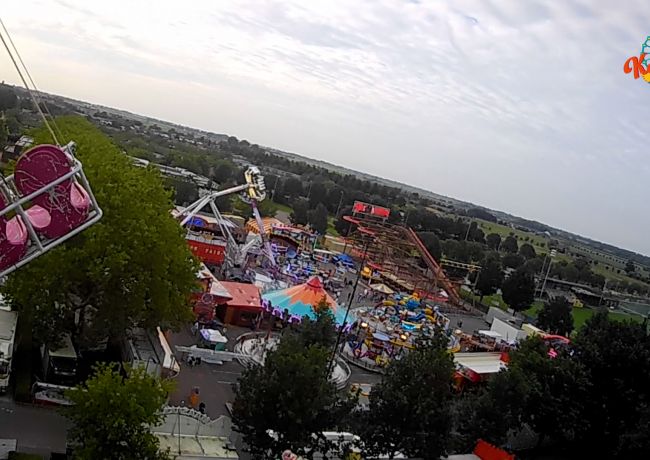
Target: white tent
x,y
381,287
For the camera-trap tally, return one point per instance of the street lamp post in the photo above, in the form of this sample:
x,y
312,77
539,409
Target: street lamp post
x,y
347,310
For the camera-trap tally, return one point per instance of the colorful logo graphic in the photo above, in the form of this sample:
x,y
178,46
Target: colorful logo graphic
x,y
639,65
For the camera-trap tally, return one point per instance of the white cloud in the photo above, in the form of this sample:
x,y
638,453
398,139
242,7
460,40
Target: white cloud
x,y
521,106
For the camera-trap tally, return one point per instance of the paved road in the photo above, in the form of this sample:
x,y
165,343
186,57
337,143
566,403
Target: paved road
x,y
38,430
215,382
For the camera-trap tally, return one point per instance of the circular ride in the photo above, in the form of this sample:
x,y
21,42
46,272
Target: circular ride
x,y
393,327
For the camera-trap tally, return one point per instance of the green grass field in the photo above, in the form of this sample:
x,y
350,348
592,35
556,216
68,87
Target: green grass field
x,y
581,315
282,207
539,242
331,230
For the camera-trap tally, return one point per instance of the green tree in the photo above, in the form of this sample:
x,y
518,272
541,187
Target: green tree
x,y
223,172
512,260
112,415
432,243
558,390
630,267
617,356
8,98
493,241
292,396
293,187
533,266
519,290
410,409
510,244
556,317
320,331
527,251
133,267
267,208
490,412
318,218
4,131
185,192
341,225
490,278
300,212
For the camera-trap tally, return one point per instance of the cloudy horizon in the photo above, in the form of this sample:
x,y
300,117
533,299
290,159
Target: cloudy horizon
x,y
522,108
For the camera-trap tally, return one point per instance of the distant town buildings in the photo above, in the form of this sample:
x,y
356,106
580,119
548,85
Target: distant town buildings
x,y
203,183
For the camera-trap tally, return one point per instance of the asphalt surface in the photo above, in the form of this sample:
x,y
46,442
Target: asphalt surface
x,y
37,430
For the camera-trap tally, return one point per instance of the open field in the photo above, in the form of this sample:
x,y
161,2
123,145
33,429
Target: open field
x,y
282,207
539,242
612,276
581,315
330,226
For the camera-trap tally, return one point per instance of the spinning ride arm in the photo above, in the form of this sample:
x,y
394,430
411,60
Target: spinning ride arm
x,y
254,190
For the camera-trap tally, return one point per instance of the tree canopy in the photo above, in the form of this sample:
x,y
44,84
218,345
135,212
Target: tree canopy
x,y
617,357
510,244
519,290
410,409
291,395
493,241
556,317
300,214
432,243
527,251
490,278
112,415
318,218
133,267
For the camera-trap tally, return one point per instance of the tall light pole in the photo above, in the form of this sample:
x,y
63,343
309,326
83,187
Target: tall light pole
x,y
338,208
602,294
550,261
469,226
538,289
347,311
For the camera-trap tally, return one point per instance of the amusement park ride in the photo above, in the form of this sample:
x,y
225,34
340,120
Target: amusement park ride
x,y
48,199
397,254
230,253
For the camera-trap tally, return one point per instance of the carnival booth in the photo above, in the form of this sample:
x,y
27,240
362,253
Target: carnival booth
x,y
210,293
293,303
244,307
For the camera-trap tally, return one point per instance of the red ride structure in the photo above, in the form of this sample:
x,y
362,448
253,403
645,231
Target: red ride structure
x,y
397,254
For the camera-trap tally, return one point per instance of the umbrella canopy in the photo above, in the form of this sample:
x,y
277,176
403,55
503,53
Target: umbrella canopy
x,y
300,299
213,336
381,287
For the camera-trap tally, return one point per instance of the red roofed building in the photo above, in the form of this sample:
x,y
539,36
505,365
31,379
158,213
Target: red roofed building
x,y
245,305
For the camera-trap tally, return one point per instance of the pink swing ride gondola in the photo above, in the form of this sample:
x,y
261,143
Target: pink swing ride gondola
x,y
47,200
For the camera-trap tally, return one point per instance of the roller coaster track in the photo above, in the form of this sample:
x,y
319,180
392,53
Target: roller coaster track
x,y
437,270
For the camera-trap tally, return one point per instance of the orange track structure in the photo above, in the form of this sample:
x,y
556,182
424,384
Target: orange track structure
x,y
399,255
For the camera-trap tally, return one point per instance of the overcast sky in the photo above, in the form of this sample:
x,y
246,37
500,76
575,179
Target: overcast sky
x,y
516,105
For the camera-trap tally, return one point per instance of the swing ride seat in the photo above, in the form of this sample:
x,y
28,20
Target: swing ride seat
x,y
46,201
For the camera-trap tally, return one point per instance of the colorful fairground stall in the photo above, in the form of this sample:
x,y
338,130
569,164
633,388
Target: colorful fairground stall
x,y
244,306
477,367
293,303
210,293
